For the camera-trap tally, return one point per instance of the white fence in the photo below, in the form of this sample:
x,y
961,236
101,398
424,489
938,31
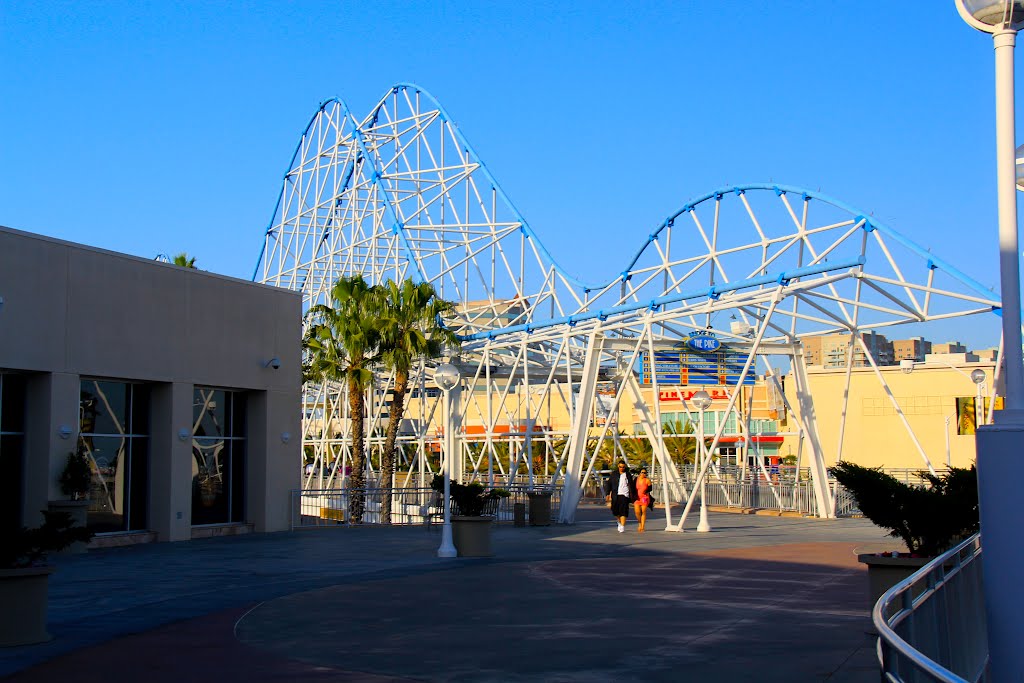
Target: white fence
x,y
785,495
413,505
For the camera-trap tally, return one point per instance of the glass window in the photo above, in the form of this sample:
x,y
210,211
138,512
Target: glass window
x,y
218,456
114,434
12,449
710,422
12,404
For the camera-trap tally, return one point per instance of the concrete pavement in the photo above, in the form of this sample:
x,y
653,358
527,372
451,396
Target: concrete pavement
x,y
758,599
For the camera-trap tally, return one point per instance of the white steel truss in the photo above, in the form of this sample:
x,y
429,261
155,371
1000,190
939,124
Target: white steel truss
x,y
401,193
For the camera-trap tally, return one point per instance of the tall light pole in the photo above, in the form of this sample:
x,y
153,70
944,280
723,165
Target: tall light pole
x,y
447,377
702,400
949,461
978,377
998,444
1002,19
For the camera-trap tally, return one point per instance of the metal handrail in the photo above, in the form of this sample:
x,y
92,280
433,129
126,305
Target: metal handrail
x,y
901,661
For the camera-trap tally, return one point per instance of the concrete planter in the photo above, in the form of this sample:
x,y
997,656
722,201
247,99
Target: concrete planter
x,y
23,595
885,571
79,511
472,535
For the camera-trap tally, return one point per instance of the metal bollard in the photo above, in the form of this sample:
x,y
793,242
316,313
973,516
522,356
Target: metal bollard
x,y
519,514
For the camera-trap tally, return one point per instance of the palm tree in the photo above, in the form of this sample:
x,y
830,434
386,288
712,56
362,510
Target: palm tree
x,y
184,260
341,343
680,442
410,329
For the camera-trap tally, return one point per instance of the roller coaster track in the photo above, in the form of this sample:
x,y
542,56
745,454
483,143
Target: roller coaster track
x,y
401,193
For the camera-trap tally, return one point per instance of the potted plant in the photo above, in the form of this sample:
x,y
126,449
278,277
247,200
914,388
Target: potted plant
x,y
75,482
209,487
473,509
24,575
929,519
76,478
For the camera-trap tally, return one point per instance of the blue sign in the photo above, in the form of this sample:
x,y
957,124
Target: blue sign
x,y
703,343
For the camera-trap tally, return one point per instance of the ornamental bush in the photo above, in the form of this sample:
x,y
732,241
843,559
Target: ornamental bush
x,y
468,500
930,518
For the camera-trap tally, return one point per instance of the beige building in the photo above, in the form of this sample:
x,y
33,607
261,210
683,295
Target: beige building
x,y
949,347
182,388
936,400
987,355
910,349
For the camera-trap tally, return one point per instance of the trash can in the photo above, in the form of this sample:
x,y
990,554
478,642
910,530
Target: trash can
x,y
519,514
540,507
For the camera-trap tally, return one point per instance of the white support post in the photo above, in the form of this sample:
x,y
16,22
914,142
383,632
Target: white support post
x,y
668,469
447,547
572,490
819,475
455,422
998,445
729,408
846,398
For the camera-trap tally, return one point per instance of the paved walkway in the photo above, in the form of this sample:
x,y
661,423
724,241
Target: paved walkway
x,y
758,599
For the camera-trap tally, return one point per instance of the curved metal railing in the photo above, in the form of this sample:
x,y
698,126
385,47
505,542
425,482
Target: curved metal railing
x,y
931,625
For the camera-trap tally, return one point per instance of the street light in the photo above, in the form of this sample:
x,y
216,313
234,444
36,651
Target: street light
x,y
447,377
1002,19
702,400
978,377
998,444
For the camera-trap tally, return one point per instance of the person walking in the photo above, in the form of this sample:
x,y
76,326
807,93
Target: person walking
x,y
643,498
621,491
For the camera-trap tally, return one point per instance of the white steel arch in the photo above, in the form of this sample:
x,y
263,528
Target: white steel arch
x,y
401,193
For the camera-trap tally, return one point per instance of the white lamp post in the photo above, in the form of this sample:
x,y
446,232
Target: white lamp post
x,y
998,444
1002,19
949,460
447,377
702,400
978,377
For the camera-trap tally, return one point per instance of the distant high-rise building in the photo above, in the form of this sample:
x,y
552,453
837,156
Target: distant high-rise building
x,y
830,350
910,349
812,350
988,355
949,347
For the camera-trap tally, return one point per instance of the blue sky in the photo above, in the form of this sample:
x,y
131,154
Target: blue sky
x,y
165,127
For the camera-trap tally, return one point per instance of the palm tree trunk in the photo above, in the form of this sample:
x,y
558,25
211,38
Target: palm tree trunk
x,y
357,482
387,460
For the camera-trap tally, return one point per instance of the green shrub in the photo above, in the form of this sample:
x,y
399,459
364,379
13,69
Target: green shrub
x,y
928,519
28,547
468,499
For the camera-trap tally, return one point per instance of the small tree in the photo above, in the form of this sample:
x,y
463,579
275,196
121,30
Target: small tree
x,y
184,260
928,519
76,478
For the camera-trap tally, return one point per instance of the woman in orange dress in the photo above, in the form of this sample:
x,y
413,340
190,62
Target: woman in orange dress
x,y
643,497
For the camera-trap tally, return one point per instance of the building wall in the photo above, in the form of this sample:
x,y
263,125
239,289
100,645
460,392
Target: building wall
x,y
874,434
71,312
